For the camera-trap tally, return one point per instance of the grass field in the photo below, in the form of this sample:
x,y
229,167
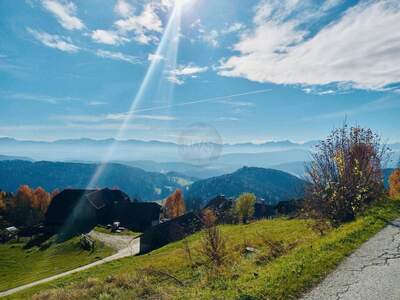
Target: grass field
x,y
168,273
19,266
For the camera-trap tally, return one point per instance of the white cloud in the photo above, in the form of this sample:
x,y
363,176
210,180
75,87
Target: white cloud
x,y
175,80
236,103
222,119
155,57
124,116
123,8
235,27
143,25
177,76
108,37
37,97
360,48
54,41
65,14
118,56
118,117
96,103
208,36
211,38
189,70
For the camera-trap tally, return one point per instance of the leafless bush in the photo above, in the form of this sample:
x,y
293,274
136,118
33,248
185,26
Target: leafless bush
x,y
212,244
275,249
321,226
188,252
345,174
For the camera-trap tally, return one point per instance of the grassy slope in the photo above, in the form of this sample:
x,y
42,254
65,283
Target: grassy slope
x,y
19,266
243,278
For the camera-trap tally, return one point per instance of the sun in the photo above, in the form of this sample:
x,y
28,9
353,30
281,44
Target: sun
x,y
181,3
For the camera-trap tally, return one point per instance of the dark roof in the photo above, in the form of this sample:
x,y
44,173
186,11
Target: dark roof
x,y
219,203
78,211
170,231
65,202
104,197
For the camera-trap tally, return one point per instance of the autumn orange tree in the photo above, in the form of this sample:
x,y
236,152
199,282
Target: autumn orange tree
x,y
2,202
394,184
40,200
174,205
28,206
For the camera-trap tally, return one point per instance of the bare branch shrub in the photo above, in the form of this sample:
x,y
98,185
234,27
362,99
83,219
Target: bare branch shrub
x,y
321,226
275,249
213,245
188,252
345,174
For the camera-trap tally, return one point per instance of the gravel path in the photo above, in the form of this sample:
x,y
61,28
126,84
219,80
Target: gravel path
x,y
117,242
125,245
372,272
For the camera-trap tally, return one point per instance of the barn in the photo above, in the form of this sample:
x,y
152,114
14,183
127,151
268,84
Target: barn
x,y
75,211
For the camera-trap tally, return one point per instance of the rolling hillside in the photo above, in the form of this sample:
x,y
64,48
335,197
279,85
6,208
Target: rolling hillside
x,y
167,273
272,185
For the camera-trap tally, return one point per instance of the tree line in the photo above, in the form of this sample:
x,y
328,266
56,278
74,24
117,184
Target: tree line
x,y
26,207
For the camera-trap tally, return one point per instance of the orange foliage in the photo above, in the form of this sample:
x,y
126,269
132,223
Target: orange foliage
x,y
174,205
38,199
41,199
394,184
2,201
24,195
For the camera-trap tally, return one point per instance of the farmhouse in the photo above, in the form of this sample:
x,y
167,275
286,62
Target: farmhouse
x,y
75,211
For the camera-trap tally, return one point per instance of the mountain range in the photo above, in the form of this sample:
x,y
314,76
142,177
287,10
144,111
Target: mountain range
x,y
126,150
164,157
272,185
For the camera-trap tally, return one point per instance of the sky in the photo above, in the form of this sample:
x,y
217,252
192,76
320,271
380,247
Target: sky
x,y
254,70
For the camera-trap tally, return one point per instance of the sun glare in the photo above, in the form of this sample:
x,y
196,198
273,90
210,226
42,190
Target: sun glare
x,y
181,3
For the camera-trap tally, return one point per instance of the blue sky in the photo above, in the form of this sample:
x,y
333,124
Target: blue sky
x,y
255,70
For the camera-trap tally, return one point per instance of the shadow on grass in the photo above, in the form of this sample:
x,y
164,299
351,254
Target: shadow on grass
x,y
388,222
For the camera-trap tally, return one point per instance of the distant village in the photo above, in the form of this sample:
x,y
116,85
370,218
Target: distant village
x,y
72,212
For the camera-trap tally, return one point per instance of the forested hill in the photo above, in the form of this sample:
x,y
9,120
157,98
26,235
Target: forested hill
x,y
270,184
135,182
